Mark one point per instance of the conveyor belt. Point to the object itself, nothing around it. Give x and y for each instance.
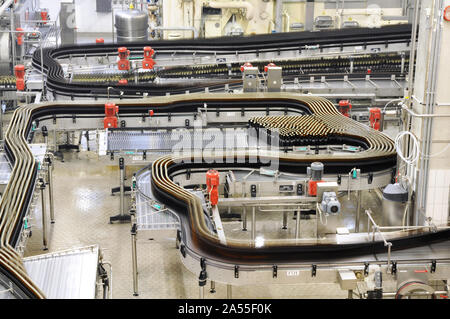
(379, 155)
(58, 84)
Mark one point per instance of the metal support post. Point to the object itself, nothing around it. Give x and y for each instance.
(253, 223)
(122, 217)
(44, 216)
(229, 292)
(285, 217)
(134, 259)
(244, 219)
(350, 294)
(358, 210)
(213, 287)
(297, 224)
(50, 188)
(202, 283)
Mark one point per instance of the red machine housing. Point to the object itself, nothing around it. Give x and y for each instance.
(212, 184)
(44, 16)
(20, 36)
(19, 71)
(312, 187)
(270, 65)
(123, 82)
(110, 120)
(375, 118)
(99, 40)
(148, 61)
(124, 63)
(344, 107)
(246, 65)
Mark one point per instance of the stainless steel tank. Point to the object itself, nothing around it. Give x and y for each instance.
(131, 26)
(395, 198)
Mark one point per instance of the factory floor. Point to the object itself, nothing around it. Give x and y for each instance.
(83, 205)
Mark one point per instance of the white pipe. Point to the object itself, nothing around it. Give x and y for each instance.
(194, 30)
(288, 22)
(234, 5)
(6, 5)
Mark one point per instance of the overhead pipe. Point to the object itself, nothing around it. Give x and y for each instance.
(194, 30)
(236, 5)
(278, 16)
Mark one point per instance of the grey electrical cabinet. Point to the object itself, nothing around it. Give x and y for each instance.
(68, 24)
(104, 6)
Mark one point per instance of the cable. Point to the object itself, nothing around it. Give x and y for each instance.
(414, 153)
(388, 103)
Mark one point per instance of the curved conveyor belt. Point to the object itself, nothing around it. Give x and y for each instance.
(379, 155)
(58, 84)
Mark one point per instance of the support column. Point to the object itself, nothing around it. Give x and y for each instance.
(309, 15)
(285, 218)
(358, 210)
(229, 292)
(134, 259)
(244, 219)
(122, 217)
(44, 214)
(253, 224)
(50, 188)
(213, 287)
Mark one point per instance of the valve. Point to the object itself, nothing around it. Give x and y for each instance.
(124, 63)
(20, 36)
(44, 16)
(246, 65)
(270, 65)
(375, 118)
(212, 184)
(19, 71)
(148, 61)
(111, 111)
(344, 107)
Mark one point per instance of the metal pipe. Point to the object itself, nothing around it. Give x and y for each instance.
(285, 216)
(134, 259)
(253, 223)
(278, 16)
(297, 224)
(44, 217)
(358, 210)
(50, 189)
(201, 292)
(413, 114)
(213, 287)
(110, 278)
(194, 30)
(122, 188)
(229, 292)
(244, 219)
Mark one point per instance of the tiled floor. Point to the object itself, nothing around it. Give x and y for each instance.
(83, 205)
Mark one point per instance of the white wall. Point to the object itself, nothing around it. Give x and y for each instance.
(87, 19)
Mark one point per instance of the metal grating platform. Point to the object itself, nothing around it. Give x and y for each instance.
(164, 141)
(5, 171)
(150, 215)
(69, 274)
